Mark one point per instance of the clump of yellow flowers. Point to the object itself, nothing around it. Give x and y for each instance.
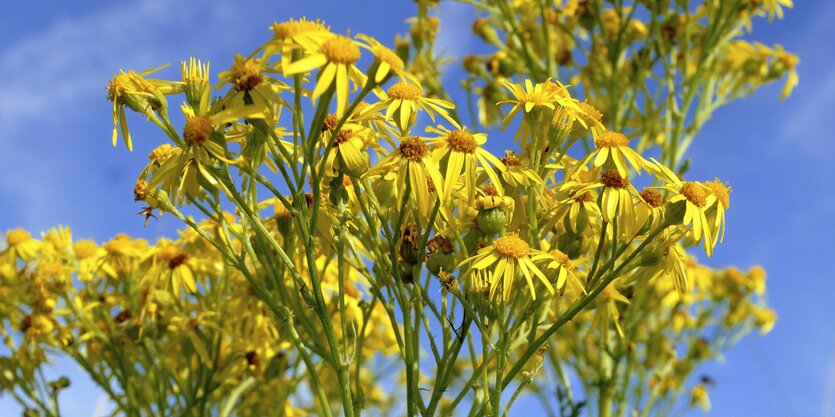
(357, 235)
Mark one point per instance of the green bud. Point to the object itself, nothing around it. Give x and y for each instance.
(491, 221)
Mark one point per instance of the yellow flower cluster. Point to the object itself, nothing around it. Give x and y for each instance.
(371, 229)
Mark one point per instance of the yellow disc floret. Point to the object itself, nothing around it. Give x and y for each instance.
(413, 148)
(292, 27)
(341, 50)
(694, 193)
(17, 236)
(197, 130)
(611, 140)
(462, 141)
(84, 249)
(721, 191)
(612, 179)
(405, 91)
(511, 246)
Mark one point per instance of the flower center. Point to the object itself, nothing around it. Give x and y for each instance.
(343, 136)
(247, 75)
(490, 190)
(562, 258)
(176, 261)
(651, 197)
(721, 191)
(611, 140)
(84, 249)
(462, 141)
(17, 236)
(439, 242)
(511, 160)
(405, 91)
(341, 50)
(511, 246)
(694, 193)
(197, 130)
(413, 148)
(330, 123)
(292, 27)
(590, 112)
(388, 56)
(612, 179)
(583, 198)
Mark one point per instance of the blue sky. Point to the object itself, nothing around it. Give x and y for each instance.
(57, 165)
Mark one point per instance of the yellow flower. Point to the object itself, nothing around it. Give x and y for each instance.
(415, 165)
(251, 84)
(527, 98)
(461, 152)
(576, 211)
(508, 257)
(205, 142)
(516, 174)
(649, 207)
(716, 215)
(336, 58)
(563, 268)
(296, 37)
(386, 62)
(404, 100)
(617, 199)
(174, 263)
(613, 148)
(141, 95)
(21, 245)
(349, 155)
(696, 198)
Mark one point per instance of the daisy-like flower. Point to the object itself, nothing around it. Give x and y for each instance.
(508, 257)
(178, 169)
(336, 58)
(575, 211)
(716, 215)
(516, 174)
(463, 152)
(402, 102)
(649, 207)
(561, 266)
(696, 199)
(131, 89)
(251, 82)
(349, 155)
(613, 147)
(296, 36)
(176, 268)
(414, 163)
(87, 252)
(528, 98)
(617, 198)
(386, 62)
(20, 245)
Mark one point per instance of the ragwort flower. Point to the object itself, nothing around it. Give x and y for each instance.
(509, 257)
